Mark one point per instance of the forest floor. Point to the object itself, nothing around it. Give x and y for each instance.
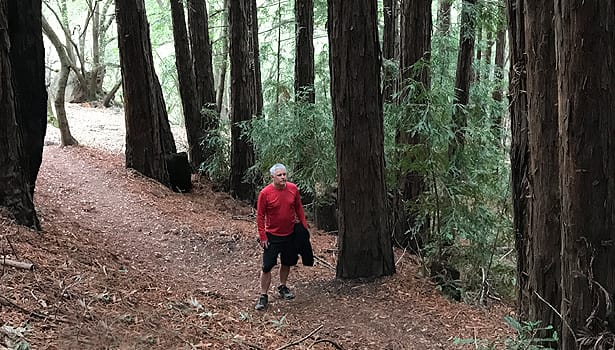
(124, 263)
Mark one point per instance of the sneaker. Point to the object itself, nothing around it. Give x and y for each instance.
(261, 304)
(285, 293)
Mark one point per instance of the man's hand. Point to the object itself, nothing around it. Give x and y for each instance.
(264, 244)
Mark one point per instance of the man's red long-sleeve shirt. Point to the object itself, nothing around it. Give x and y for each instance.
(277, 210)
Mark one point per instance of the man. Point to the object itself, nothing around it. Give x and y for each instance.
(277, 210)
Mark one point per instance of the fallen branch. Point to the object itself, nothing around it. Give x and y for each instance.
(336, 345)
(7, 302)
(324, 262)
(300, 340)
(17, 264)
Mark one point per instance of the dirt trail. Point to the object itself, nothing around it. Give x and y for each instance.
(124, 263)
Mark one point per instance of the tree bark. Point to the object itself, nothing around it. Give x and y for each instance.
(587, 162)
(187, 85)
(27, 55)
(364, 240)
(543, 239)
(304, 51)
(66, 138)
(203, 71)
(463, 78)
(15, 193)
(389, 38)
(145, 145)
(414, 56)
(444, 16)
(245, 89)
(224, 61)
(519, 154)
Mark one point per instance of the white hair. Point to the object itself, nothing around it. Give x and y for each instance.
(276, 167)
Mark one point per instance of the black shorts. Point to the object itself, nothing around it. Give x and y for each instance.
(282, 246)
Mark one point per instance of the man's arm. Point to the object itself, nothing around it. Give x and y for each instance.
(261, 204)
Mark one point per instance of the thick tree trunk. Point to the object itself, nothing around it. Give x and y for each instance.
(304, 51)
(27, 55)
(543, 240)
(364, 239)
(244, 95)
(519, 153)
(15, 192)
(145, 146)
(587, 162)
(198, 27)
(414, 55)
(187, 86)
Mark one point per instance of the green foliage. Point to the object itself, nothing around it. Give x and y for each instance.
(527, 337)
(300, 137)
(467, 202)
(217, 167)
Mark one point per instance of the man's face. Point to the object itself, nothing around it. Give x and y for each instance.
(279, 178)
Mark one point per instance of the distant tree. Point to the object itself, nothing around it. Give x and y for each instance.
(202, 61)
(223, 63)
(146, 143)
(542, 246)
(15, 193)
(89, 68)
(27, 55)
(59, 101)
(246, 93)
(444, 16)
(463, 78)
(587, 168)
(389, 44)
(364, 239)
(304, 50)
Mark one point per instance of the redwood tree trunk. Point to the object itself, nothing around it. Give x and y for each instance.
(389, 38)
(304, 51)
(27, 55)
(519, 156)
(414, 56)
(187, 85)
(144, 143)
(14, 188)
(587, 161)
(245, 87)
(543, 239)
(364, 239)
(198, 27)
(463, 78)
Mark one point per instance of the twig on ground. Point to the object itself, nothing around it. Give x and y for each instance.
(297, 342)
(17, 264)
(336, 345)
(324, 263)
(402, 255)
(7, 302)
(248, 218)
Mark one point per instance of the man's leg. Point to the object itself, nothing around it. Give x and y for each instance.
(284, 272)
(266, 281)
